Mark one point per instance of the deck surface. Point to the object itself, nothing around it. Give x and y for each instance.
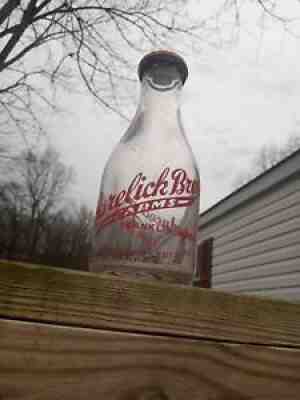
(67, 334)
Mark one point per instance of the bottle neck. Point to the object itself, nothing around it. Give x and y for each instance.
(160, 106)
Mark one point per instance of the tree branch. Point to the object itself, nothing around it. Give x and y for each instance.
(269, 11)
(7, 9)
(26, 20)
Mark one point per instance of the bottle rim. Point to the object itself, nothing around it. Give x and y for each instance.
(163, 57)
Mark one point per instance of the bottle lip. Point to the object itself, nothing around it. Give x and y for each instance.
(163, 57)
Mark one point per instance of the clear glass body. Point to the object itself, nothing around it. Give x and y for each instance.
(148, 204)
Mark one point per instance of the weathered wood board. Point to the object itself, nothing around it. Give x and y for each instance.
(89, 300)
(71, 335)
(51, 362)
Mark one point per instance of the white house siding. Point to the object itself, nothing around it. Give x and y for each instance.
(256, 247)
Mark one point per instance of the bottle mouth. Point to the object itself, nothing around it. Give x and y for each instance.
(161, 66)
(162, 80)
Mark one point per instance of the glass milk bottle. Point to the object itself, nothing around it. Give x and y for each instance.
(147, 212)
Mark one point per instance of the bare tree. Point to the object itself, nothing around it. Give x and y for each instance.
(38, 222)
(12, 206)
(66, 238)
(81, 231)
(45, 43)
(267, 157)
(41, 180)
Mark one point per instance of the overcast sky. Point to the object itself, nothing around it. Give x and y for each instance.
(234, 101)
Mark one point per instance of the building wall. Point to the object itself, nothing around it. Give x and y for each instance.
(256, 244)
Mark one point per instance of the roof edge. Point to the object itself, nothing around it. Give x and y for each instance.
(283, 170)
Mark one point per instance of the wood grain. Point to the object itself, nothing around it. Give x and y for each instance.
(88, 300)
(141, 271)
(40, 362)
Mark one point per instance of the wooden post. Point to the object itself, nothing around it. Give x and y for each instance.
(204, 262)
(81, 336)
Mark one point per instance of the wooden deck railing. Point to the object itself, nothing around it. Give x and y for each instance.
(75, 335)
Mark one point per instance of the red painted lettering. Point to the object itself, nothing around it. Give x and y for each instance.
(179, 177)
(119, 198)
(162, 183)
(136, 180)
(149, 186)
(138, 194)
